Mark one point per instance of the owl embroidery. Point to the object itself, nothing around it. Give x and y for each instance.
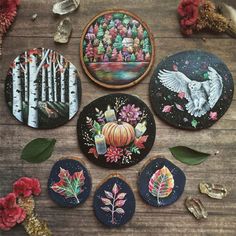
(201, 96)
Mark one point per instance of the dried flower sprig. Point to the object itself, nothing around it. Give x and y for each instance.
(198, 15)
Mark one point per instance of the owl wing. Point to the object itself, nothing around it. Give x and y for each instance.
(213, 87)
(175, 81)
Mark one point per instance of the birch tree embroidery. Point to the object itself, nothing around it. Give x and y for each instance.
(42, 88)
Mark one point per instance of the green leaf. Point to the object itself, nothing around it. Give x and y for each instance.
(194, 123)
(188, 156)
(97, 126)
(38, 150)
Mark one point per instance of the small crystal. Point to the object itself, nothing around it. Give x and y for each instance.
(63, 32)
(65, 6)
(34, 16)
(196, 207)
(216, 191)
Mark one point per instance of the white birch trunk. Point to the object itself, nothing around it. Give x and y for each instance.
(33, 89)
(44, 85)
(33, 93)
(55, 77)
(50, 90)
(73, 91)
(26, 77)
(17, 99)
(62, 79)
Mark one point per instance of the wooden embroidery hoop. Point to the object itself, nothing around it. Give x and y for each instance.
(152, 46)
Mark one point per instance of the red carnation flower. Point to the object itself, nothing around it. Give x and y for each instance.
(189, 12)
(113, 154)
(26, 187)
(10, 212)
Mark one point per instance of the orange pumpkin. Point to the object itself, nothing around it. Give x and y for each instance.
(118, 134)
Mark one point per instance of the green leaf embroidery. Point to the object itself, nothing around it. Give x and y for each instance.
(194, 123)
(97, 127)
(38, 150)
(188, 156)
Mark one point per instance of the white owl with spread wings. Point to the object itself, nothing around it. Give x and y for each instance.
(201, 96)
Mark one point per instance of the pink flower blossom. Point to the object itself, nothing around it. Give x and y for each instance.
(167, 109)
(213, 115)
(130, 113)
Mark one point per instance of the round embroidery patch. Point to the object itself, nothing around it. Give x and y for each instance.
(42, 89)
(69, 183)
(114, 202)
(116, 130)
(161, 183)
(117, 49)
(191, 89)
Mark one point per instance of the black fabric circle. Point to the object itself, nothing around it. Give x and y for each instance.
(42, 89)
(69, 183)
(169, 175)
(191, 89)
(114, 202)
(116, 131)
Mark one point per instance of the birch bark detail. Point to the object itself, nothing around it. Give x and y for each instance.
(17, 98)
(73, 91)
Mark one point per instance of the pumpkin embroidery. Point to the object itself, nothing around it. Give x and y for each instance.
(117, 133)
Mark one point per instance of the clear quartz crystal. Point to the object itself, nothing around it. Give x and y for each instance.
(63, 7)
(196, 207)
(63, 31)
(216, 191)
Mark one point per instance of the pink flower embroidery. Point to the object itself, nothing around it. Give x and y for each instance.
(130, 113)
(167, 109)
(113, 154)
(181, 95)
(213, 115)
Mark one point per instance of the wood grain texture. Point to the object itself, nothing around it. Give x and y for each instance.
(173, 220)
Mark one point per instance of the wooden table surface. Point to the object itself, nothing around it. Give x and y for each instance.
(173, 220)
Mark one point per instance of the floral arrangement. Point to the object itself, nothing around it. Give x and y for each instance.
(8, 10)
(197, 15)
(18, 207)
(130, 117)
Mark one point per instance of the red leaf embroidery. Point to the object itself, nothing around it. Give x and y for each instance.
(120, 203)
(121, 196)
(115, 189)
(69, 185)
(139, 143)
(93, 151)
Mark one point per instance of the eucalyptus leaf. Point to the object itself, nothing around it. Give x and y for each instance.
(38, 150)
(188, 156)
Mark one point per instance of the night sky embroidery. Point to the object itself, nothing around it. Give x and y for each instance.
(116, 130)
(116, 49)
(191, 89)
(42, 89)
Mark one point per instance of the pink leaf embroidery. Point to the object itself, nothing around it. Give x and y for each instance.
(120, 211)
(213, 115)
(120, 203)
(106, 201)
(167, 108)
(108, 194)
(106, 209)
(179, 107)
(121, 196)
(115, 189)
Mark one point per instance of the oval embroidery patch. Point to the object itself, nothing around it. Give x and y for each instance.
(69, 183)
(161, 183)
(116, 130)
(191, 89)
(117, 49)
(42, 89)
(114, 202)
